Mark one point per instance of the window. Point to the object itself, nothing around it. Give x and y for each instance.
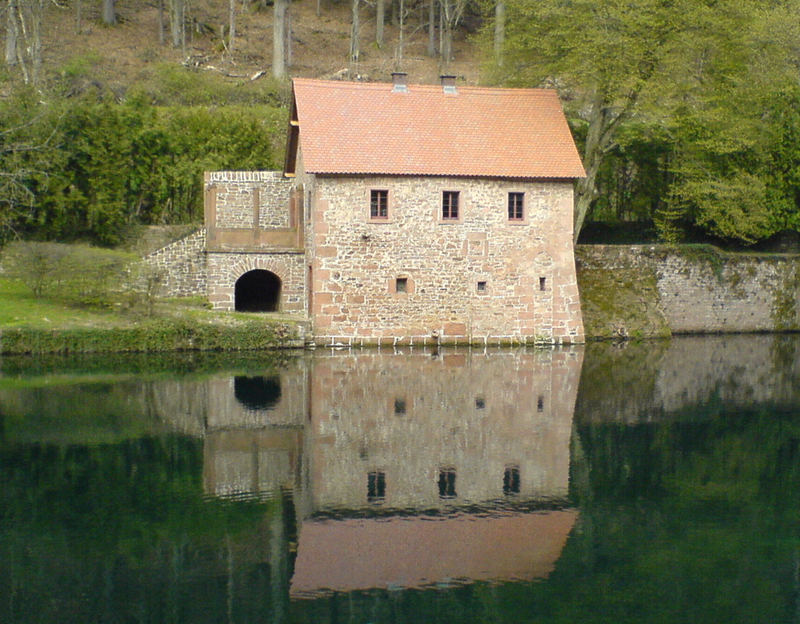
(511, 480)
(480, 402)
(542, 283)
(401, 285)
(400, 406)
(378, 204)
(450, 205)
(540, 403)
(481, 286)
(516, 210)
(376, 486)
(447, 483)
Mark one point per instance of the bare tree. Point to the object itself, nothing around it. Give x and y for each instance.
(177, 23)
(12, 33)
(354, 43)
(231, 24)
(380, 18)
(432, 28)
(279, 38)
(109, 12)
(449, 17)
(499, 30)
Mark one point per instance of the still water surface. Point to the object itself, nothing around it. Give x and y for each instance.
(654, 482)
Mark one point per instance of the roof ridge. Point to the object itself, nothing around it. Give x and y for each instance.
(339, 84)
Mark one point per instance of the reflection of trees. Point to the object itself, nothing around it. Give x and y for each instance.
(111, 532)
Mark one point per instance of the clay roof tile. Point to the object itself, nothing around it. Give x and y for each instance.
(367, 128)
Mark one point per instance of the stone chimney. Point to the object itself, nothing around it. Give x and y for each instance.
(399, 82)
(448, 84)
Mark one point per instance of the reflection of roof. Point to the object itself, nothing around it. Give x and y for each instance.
(358, 128)
(364, 553)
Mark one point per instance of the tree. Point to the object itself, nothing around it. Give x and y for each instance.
(280, 8)
(355, 27)
(109, 13)
(613, 60)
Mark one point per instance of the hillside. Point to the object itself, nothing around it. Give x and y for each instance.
(116, 57)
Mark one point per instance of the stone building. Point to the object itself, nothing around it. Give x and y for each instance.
(405, 214)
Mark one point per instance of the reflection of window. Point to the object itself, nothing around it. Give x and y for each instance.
(447, 483)
(400, 406)
(257, 393)
(480, 402)
(511, 480)
(540, 403)
(376, 486)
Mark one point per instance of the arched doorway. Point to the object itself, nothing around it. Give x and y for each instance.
(257, 291)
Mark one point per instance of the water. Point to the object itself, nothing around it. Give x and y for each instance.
(653, 482)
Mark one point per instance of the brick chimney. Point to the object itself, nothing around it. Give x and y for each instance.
(399, 82)
(448, 83)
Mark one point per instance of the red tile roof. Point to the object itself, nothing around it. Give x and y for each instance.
(367, 128)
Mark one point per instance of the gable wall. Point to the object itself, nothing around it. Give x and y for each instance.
(356, 262)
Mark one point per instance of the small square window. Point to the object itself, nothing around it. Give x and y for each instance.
(481, 286)
(516, 203)
(400, 406)
(376, 486)
(511, 480)
(379, 204)
(447, 483)
(450, 205)
(401, 285)
(480, 403)
(542, 283)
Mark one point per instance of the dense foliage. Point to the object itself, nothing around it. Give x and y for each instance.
(89, 167)
(685, 112)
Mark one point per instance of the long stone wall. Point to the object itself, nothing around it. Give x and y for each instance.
(182, 265)
(686, 290)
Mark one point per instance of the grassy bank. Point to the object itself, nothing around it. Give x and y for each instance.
(38, 325)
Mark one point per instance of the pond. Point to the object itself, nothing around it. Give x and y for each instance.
(617, 482)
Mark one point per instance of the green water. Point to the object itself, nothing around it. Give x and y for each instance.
(652, 482)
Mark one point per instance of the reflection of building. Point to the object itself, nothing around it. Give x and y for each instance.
(363, 553)
(421, 439)
(423, 432)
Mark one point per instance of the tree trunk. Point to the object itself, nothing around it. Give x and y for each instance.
(499, 30)
(432, 28)
(401, 39)
(177, 17)
(78, 16)
(109, 14)
(354, 45)
(287, 45)
(11, 33)
(380, 16)
(231, 25)
(279, 39)
(161, 22)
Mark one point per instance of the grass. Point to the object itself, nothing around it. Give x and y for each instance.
(19, 308)
(31, 325)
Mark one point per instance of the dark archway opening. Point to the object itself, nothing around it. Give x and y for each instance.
(257, 291)
(257, 393)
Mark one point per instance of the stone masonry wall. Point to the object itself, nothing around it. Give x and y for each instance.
(703, 290)
(529, 289)
(183, 265)
(224, 268)
(243, 194)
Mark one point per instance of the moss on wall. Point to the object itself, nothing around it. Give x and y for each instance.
(785, 299)
(622, 302)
